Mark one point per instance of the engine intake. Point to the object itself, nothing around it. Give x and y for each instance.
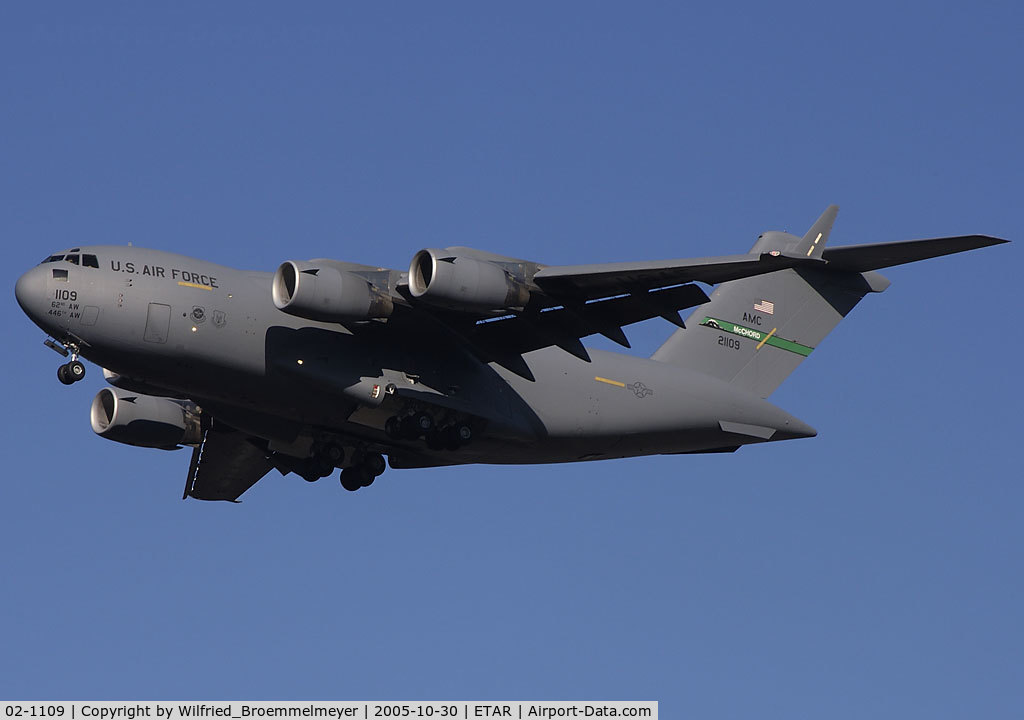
(327, 294)
(463, 283)
(144, 420)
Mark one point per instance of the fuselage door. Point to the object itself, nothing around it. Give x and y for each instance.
(158, 322)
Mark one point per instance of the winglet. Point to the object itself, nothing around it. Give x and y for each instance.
(815, 239)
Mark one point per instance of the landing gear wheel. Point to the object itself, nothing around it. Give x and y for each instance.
(374, 465)
(393, 428)
(451, 438)
(407, 428)
(353, 478)
(332, 453)
(424, 423)
(435, 440)
(326, 456)
(314, 468)
(75, 370)
(71, 372)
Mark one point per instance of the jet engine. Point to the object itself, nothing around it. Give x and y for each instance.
(463, 283)
(327, 294)
(144, 420)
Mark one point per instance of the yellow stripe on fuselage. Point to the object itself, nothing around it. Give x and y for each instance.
(194, 285)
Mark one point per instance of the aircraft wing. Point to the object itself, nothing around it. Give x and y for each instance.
(569, 302)
(225, 465)
(585, 282)
(573, 301)
(564, 324)
(505, 339)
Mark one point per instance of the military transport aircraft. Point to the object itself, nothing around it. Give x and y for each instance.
(468, 357)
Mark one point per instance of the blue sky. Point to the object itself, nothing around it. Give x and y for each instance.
(874, 571)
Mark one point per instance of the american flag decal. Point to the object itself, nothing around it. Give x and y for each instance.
(765, 306)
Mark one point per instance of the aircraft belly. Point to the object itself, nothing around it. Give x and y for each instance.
(619, 405)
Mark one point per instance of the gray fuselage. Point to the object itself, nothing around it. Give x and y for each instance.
(172, 325)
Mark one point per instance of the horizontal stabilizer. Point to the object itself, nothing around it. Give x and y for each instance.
(873, 256)
(755, 330)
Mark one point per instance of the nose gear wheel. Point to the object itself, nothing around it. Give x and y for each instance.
(71, 372)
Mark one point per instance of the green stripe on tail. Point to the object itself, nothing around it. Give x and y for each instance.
(756, 335)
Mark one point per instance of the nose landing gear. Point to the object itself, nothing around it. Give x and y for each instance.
(70, 372)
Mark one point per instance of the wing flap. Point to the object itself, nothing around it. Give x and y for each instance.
(564, 326)
(225, 465)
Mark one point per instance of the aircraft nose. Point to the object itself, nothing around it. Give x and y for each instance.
(29, 290)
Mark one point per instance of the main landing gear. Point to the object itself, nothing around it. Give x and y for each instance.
(363, 473)
(450, 436)
(328, 455)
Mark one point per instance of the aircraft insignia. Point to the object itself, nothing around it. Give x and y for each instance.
(640, 390)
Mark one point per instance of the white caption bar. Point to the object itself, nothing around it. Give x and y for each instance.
(329, 710)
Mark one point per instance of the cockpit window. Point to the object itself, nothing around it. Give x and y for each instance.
(90, 261)
(73, 259)
(53, 258)
(59, 274)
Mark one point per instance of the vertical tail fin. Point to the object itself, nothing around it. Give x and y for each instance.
(755, 331)
(814, 241)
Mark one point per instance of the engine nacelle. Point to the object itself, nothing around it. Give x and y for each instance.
(327, 294)
(463, 283)
(144, 420)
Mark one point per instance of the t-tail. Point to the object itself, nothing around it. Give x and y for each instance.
(755, 331)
